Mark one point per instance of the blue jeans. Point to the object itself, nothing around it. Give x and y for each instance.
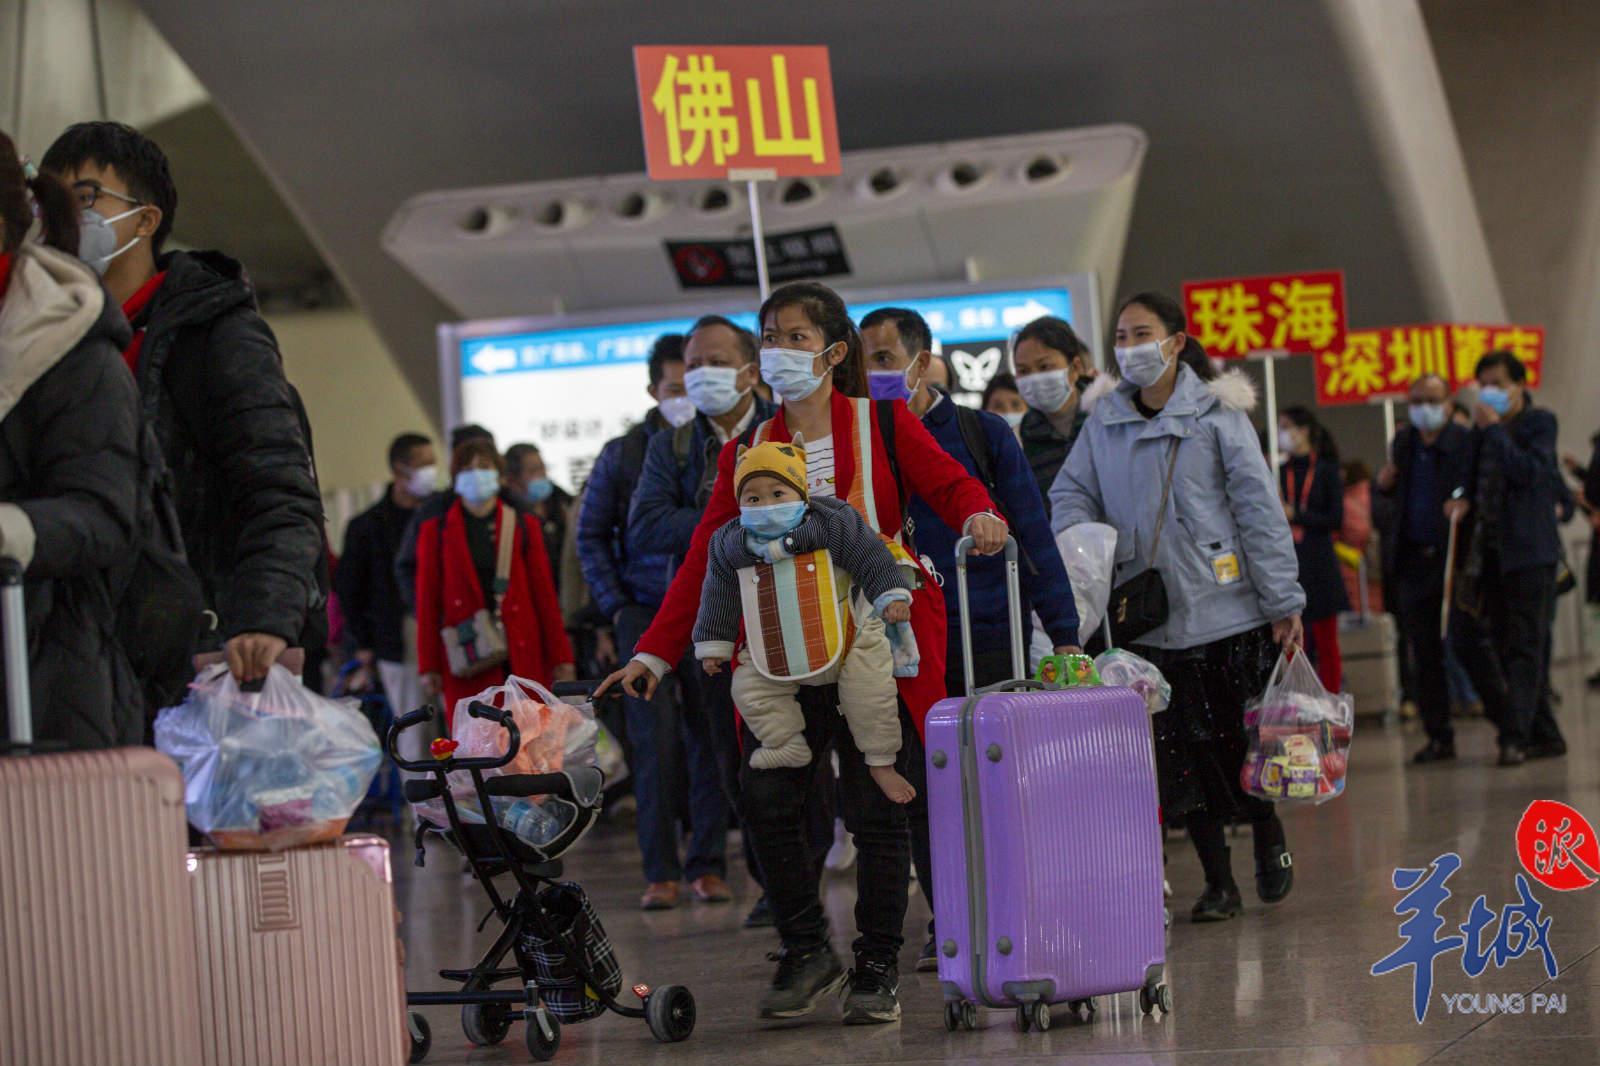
(662, 731)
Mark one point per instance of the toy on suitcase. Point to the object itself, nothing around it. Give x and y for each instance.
(1046, 841)
(98, 937)
(565, 968)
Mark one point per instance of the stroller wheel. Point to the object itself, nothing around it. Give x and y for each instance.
(486, 1024)
(544, 1035)
(670, 1013)
(421, 1036)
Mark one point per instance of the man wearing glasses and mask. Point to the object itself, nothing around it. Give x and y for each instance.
(232, 429)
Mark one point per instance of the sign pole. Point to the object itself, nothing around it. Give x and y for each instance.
(759, 237)
(1271, 369)
(1388, 423)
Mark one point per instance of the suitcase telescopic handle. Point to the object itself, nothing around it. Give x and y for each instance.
(14, 622)
(1019, 665)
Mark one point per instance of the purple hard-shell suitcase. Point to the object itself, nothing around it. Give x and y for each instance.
(1046, 842)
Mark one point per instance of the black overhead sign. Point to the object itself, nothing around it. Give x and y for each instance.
(810, 253)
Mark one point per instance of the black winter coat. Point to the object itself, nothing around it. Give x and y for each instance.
(1047, 449)
(1318, 515)
(374, 613)
(1456, 449)
(236, 438)
(69, 464)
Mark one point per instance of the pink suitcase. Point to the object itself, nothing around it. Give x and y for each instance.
(1046, 842)
(96, 936)
(299, 961)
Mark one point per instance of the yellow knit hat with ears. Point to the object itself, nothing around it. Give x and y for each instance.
(786, 462)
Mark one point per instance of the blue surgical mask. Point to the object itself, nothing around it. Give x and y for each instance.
(1495, 398)
(1014, 418)
(771, 521)
(97, 241)
(788, 371)
(539, 489)
(1428, 417)
(714, 390)
(477, 486)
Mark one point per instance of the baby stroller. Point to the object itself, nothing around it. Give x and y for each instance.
(564, 964)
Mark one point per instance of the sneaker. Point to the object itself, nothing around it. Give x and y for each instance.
(1274, 874)
(801, 982)
(760, 916)
(1435, 751)
(928, 961)
(842, 855)
(1548, 749)
(874, 993)
(1218, 904)
(1511, 754)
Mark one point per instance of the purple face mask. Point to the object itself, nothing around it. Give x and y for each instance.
(888, 385)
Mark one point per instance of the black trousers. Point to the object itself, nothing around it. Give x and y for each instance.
(712, 696)
(1508, 665)
(1419, 598)
(780, 812)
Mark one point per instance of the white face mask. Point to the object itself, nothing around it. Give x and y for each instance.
(714, 390)
(1285, 441)
(421, 481)
(1014, 418)
(1047, 391)
(1143, 364)
(788, 371)
(678, 411)
(97, 241)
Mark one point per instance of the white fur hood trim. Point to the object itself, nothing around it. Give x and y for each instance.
(1234, 389)
(1102, 386)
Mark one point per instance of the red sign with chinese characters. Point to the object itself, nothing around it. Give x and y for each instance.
(1375, 364)
(1557, 846)
(1234, 317)
(760, 111)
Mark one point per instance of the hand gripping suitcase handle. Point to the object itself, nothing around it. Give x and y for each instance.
(1019, 666)
(14, 631)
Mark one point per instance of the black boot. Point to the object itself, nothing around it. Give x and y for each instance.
(1274, 864)
(1220, 901)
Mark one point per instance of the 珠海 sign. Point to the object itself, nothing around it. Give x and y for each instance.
(739, 112)
(811, 253)
(1279, 313)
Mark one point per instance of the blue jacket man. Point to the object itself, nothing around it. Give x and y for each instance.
(898, 347)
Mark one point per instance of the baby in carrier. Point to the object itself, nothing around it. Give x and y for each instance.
(815, 587)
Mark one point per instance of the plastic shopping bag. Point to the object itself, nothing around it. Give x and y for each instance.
(553, 735)
(272, 769)
(1089, 550)
(1299, 736)
(1125, 669)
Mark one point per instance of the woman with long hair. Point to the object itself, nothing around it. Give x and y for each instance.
(69, 463)
(1312, 487)
(874, 454)
(1170, 458)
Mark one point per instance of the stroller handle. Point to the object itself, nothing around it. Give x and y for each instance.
(477, 710)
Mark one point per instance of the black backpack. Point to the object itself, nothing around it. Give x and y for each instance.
(160, 606)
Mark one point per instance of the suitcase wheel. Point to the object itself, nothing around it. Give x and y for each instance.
(960, 1016)
(1083, 1007)
(1035, 1015)
(1158, 996)
(421, 1036)
(486, 1024)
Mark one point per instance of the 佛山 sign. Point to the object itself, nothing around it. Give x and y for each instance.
(1375, 364)
(811, 253)
(1275, 313)
(746, 112)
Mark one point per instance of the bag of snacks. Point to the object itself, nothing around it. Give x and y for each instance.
(1299, 736)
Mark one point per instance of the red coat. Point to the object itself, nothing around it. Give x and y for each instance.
(448, 594)
(929, 472)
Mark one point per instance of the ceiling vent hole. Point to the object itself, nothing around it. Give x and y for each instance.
(633, 206)
(715, 198)
(798, 192)
(884, 181)
(553, 214)
(965, 175)
(475, 221)
(1042, 168)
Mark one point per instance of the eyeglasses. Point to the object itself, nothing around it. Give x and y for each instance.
(88, 192)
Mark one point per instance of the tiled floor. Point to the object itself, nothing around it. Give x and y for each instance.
(1287, 984)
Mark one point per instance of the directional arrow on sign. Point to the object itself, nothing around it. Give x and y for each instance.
(492, 360)
(1021, 316)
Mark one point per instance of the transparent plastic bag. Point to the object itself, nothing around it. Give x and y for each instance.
(554, 735)
(1125, 669)
(1089, 551)
(268, 770)
(1299, 736)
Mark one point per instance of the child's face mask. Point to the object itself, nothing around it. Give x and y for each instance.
(771, 521)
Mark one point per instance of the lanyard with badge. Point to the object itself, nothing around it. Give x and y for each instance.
(1299, 494)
